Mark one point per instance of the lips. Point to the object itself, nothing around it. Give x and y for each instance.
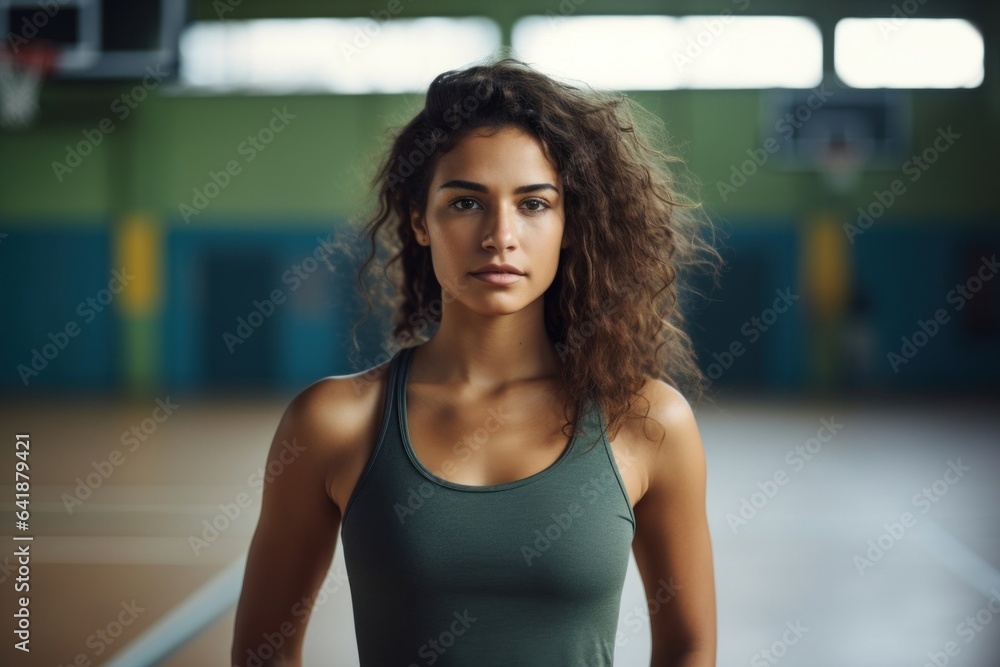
(498, 277)
(498, 268)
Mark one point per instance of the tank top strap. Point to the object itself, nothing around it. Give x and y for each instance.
(384, 452)
(392, 393)
(400, 365)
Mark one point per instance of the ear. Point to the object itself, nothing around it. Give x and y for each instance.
(417, 224)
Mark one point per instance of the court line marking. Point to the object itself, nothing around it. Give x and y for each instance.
(958, 558)
(119, 550)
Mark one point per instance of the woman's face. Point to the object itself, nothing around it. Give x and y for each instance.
(495, 198)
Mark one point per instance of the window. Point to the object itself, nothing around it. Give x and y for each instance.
(613, 52)
(345, 56)
(663, 52)
(908, 53)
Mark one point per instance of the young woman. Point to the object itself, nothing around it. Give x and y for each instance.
(492, 477)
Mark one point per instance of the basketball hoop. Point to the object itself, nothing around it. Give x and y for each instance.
(22, 70)
(840, 164)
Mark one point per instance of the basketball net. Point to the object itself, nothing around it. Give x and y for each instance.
(840, 166)
(21, 74)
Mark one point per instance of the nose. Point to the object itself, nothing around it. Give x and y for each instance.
(500, 230)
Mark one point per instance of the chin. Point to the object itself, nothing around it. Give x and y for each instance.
(497, 305)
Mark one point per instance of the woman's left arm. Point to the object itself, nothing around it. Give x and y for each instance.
(672, 546)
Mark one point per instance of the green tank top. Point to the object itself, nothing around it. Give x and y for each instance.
(529, 572)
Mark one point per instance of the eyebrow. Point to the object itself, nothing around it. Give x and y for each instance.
(479, 187)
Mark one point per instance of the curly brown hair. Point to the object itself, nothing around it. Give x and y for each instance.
(612, 310)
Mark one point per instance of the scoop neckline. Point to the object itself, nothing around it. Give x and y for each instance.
(404, 427)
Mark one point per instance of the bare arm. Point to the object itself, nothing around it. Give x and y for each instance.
(672, 545)
(295, 538)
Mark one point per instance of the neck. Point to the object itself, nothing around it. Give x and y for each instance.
(489, 350)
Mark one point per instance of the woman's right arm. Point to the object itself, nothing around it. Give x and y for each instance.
(296, 534)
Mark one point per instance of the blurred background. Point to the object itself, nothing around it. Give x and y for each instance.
(176, 187)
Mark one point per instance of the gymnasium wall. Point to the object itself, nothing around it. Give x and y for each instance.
(82, 197)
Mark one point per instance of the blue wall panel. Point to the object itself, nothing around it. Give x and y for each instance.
(309, 323)
(48, 275)
(761, 261)
(910, 270)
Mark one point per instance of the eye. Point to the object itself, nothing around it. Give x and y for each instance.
(542, 205)
(468, 204)
(458, 203)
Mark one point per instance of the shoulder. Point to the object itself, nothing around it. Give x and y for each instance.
(672, 541)
(334, 416)
(668, 438)
(333, 405)
(667, 405)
